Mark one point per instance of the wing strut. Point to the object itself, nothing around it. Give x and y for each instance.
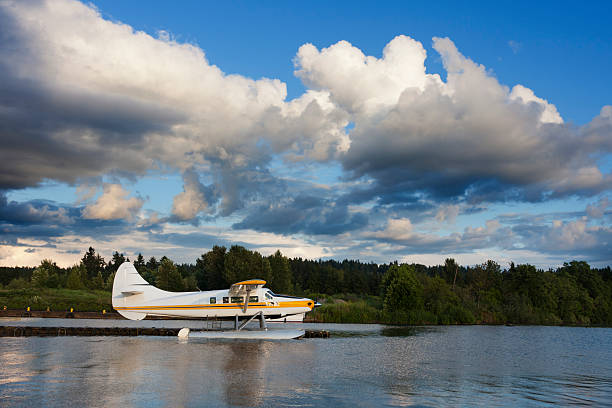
(246, 299)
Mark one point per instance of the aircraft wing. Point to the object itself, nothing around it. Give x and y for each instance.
(241, 288)
(245, 288)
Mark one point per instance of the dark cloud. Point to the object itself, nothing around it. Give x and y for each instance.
(303, 214)
(48, 220)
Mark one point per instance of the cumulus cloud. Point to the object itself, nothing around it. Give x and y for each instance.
(468, 137)
(113, 204)
(82, 97)
(360, 83)
(397, 229)
(194, 198)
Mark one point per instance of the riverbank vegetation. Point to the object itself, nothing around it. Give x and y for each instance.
(349, 291)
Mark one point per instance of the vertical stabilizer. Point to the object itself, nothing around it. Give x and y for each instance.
(130, 289)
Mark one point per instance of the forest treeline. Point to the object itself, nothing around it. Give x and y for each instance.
(354, 291)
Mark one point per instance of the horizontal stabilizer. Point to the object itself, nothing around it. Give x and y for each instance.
(131, 292)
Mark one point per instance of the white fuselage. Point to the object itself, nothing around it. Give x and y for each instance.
(213, 303)
(135, 298)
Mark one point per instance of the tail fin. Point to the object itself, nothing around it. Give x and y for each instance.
(130, 289)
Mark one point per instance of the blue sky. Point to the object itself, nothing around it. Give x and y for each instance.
(483, 131)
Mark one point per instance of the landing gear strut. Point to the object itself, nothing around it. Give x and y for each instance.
(262, 322)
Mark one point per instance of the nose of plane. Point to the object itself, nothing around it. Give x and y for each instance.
(312, 304)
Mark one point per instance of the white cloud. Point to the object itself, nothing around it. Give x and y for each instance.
(188, 204)
(113, 204)
(360, 83)
(469, 136)
(548, 111)
(111, 99)
(397, 229)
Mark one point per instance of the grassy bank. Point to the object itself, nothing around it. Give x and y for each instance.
(56, 299)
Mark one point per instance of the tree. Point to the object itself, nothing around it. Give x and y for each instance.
(139, 263)
(74, 280)
(210, 269)
(403, 292)
(40, 276)
(152, 264)
(241, 264)
(280, 273)
(114, 263)
(168, 276)
(451, 270)
(93, 263)
(97, 282)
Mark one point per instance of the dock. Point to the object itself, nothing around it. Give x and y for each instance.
(31, 331)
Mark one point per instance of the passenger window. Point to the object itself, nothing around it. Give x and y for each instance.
(213, 300)
(237, 299)
(225, 300)
(253, 299)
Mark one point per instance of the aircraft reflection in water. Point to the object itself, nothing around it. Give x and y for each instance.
(134, 298)
(224, 373)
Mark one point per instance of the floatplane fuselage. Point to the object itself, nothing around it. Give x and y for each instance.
(134, 298)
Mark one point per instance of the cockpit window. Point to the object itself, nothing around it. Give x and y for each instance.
(268, 295)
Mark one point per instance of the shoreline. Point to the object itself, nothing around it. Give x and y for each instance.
(112, 315)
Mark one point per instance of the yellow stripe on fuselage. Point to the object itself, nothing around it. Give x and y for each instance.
(300, 303)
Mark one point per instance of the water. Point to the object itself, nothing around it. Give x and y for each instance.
(361, 365)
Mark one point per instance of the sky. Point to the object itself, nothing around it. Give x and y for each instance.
(337, 130)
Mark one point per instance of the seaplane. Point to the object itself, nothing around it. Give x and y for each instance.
(135, 298)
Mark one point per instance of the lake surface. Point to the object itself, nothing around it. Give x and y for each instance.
(361, 365)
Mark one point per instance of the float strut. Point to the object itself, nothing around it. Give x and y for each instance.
(262, 321)
(250, 319)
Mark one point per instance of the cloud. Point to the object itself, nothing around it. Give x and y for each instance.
(194, 199)
(303, 214)
(82, 97)
(34, 212)
(399, 229)
(467, 138)
(447, 213)
(363, 84)
(548, 113)
(113, 204)
(598, 210)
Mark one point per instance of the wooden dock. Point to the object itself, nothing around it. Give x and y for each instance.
(29, 331)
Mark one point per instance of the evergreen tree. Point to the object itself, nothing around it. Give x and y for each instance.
(93, 263)
(280, 281)
(114, 264)
(210, 269)
(168, 276)
(139, 263)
